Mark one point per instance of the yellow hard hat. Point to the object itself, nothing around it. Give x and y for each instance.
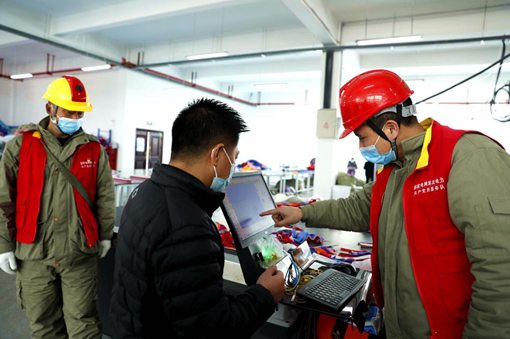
(68, 92)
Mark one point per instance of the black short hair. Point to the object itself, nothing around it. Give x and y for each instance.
(381, 120)
(202, 124)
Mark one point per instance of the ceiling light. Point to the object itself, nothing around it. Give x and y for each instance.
(21, 76)
(268, 86)
(96, 68)
(482, 42)
(207, 56)
(263, 55)
(385, 41)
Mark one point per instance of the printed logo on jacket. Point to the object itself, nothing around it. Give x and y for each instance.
(429, 186)
(88, 164)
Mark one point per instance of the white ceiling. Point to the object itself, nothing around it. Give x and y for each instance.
(59, 8)
(241, 18)
(349, 11)
(166, 31)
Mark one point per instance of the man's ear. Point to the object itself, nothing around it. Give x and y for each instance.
(49, 109)
(214, 153)
(393, 128)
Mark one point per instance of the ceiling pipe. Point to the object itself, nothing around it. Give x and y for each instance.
(163, 76)
(124, 64)
(207, 89)
(275, 103)
(464, 103)
(194, 85)
(142, 68)
(325, 49)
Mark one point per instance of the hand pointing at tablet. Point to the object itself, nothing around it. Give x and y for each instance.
(284, 215)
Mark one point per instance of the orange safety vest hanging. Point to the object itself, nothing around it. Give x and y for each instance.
(437, 248)
(30, 184)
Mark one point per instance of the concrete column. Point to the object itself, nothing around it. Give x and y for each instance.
(349, 146)
(326, 163)
(332, 153)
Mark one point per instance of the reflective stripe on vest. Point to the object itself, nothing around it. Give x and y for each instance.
(31, 181)
(437, 248)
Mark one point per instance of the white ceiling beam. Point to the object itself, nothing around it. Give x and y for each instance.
(22, 19)
(23, 23)
(315, 15)
(9, 40)
(132, 12)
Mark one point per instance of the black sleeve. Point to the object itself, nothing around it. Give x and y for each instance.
(132, 284)
(190, 284)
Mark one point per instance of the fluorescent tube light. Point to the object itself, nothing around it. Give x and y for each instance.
(207, 56)
(21, 76)
(96, 68)
(268, 86)
(388, 41)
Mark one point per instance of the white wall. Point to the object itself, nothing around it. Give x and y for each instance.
(280, 135)
(6, 102)
(106, 90)
(468, 117)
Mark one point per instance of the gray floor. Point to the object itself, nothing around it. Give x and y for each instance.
(13, 322)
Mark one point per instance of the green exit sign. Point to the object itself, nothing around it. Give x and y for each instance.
(149, 123)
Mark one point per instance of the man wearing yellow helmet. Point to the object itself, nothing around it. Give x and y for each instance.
(57, 211)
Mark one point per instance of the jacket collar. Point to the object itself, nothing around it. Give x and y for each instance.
(61, 152)
(411, 145)
(424, 156)
(173, 177)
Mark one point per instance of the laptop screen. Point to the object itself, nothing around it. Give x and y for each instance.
(247, 196)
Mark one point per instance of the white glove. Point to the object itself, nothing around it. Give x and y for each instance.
(104, 247)
(8, 262)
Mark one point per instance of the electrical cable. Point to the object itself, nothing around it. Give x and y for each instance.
(306, 277)
(288, 275)
(499, 68)
(505, 118)
(493, 103)
(465, 80)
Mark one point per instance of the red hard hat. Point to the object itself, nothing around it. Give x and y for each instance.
(368, 93)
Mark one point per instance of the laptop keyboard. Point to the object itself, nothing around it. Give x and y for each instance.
(331, 288)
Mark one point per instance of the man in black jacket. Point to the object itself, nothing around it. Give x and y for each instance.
(169, 264)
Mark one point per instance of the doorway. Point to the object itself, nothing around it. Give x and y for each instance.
(148, 148)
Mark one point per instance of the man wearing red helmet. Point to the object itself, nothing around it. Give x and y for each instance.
(439, 214)
(57, 211)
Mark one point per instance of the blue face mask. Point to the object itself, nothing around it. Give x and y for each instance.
(219, 184)
(68, 126)
(371, 154)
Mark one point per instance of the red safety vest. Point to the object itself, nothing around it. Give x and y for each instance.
(30, 184)
(436, 246)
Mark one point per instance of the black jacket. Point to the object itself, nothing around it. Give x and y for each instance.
(169, 265)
